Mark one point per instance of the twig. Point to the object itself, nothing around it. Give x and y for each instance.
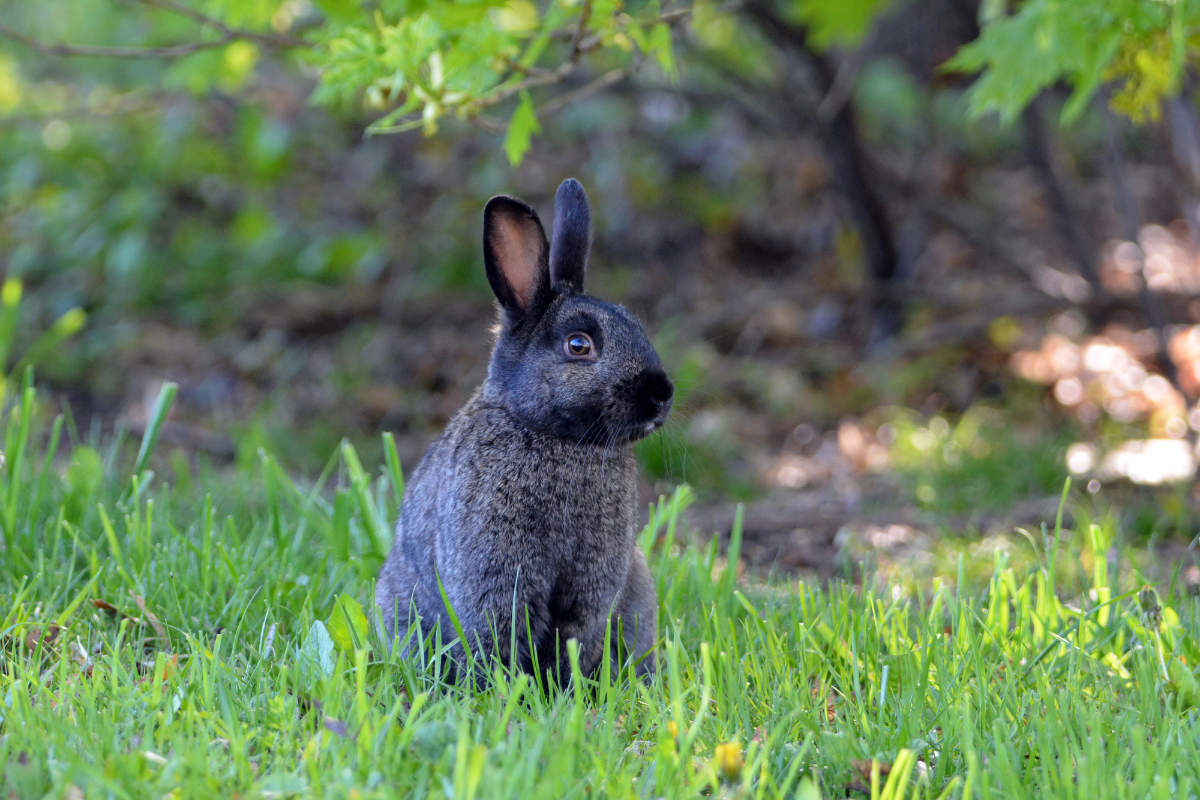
(966, 327)
(585, 16)
(123, 105)
(1001, 244)
(106, 51)
(226, 35)
(579, 46)
(488, 124)
(538, 77)
(595, 85)
(671, 17)
(269, 39)
(515, 66)
(745, 89)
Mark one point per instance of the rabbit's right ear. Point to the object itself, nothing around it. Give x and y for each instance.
(572, 237)
(515, 255)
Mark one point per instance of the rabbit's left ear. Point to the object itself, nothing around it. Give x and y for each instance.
(572, 237)
(514, 256)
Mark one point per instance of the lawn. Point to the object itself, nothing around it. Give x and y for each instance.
(172, 629)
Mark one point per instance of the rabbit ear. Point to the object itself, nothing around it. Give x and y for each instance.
(572, 237)
(515, 254)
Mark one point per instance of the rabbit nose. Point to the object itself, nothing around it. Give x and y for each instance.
(656, 392)
(650, 394)
(658, 387)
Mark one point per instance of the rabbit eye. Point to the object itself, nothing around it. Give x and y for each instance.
(578, 345)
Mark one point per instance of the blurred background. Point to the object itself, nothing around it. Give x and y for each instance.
(895, 320)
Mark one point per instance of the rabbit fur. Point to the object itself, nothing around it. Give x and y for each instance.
(523, 511)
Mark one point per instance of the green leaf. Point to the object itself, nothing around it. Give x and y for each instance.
(339, 10)
(1185, 682)
(348, 624)
(841, 23)
(520, 130)
(316, 653)
(517, 15)
(1137, 46)
(807, 790)
(1091, 76)
(660, 47)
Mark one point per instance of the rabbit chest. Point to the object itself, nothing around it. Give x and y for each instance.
(537, 519)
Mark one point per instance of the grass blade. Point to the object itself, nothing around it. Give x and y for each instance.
(162, 407)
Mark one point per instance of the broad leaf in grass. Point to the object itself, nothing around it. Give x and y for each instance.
(348, 624)
(316, 653)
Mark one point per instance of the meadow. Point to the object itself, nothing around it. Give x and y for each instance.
(903, 274)
(169, 629)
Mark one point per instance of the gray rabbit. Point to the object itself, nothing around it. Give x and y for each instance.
(523, 511)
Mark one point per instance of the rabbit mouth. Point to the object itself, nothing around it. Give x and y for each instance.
(640, 430)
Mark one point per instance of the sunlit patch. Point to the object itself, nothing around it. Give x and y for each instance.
(889, 536)
(1114, 374)
(791, 471)
(815, 466)
(1107, 373)
(1081, 458)
(1149, 461)
(1163, 257)
(860, 445)
(1068, 391)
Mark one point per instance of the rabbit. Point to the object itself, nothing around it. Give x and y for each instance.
(523, 510)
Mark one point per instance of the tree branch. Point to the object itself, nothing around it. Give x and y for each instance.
(558, 103)
(226, 35)
(579, 46)
(131, 104)
(595, 85)
(205, 20)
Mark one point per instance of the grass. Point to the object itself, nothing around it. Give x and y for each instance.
(205, 636)
(982, 461)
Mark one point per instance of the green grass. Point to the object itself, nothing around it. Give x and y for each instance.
(986, 459)
(207, 639)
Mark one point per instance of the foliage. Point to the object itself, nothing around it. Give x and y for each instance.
(419, 62)
(409, 63)
(188, 634)
(1141, 45)
(412, 64)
